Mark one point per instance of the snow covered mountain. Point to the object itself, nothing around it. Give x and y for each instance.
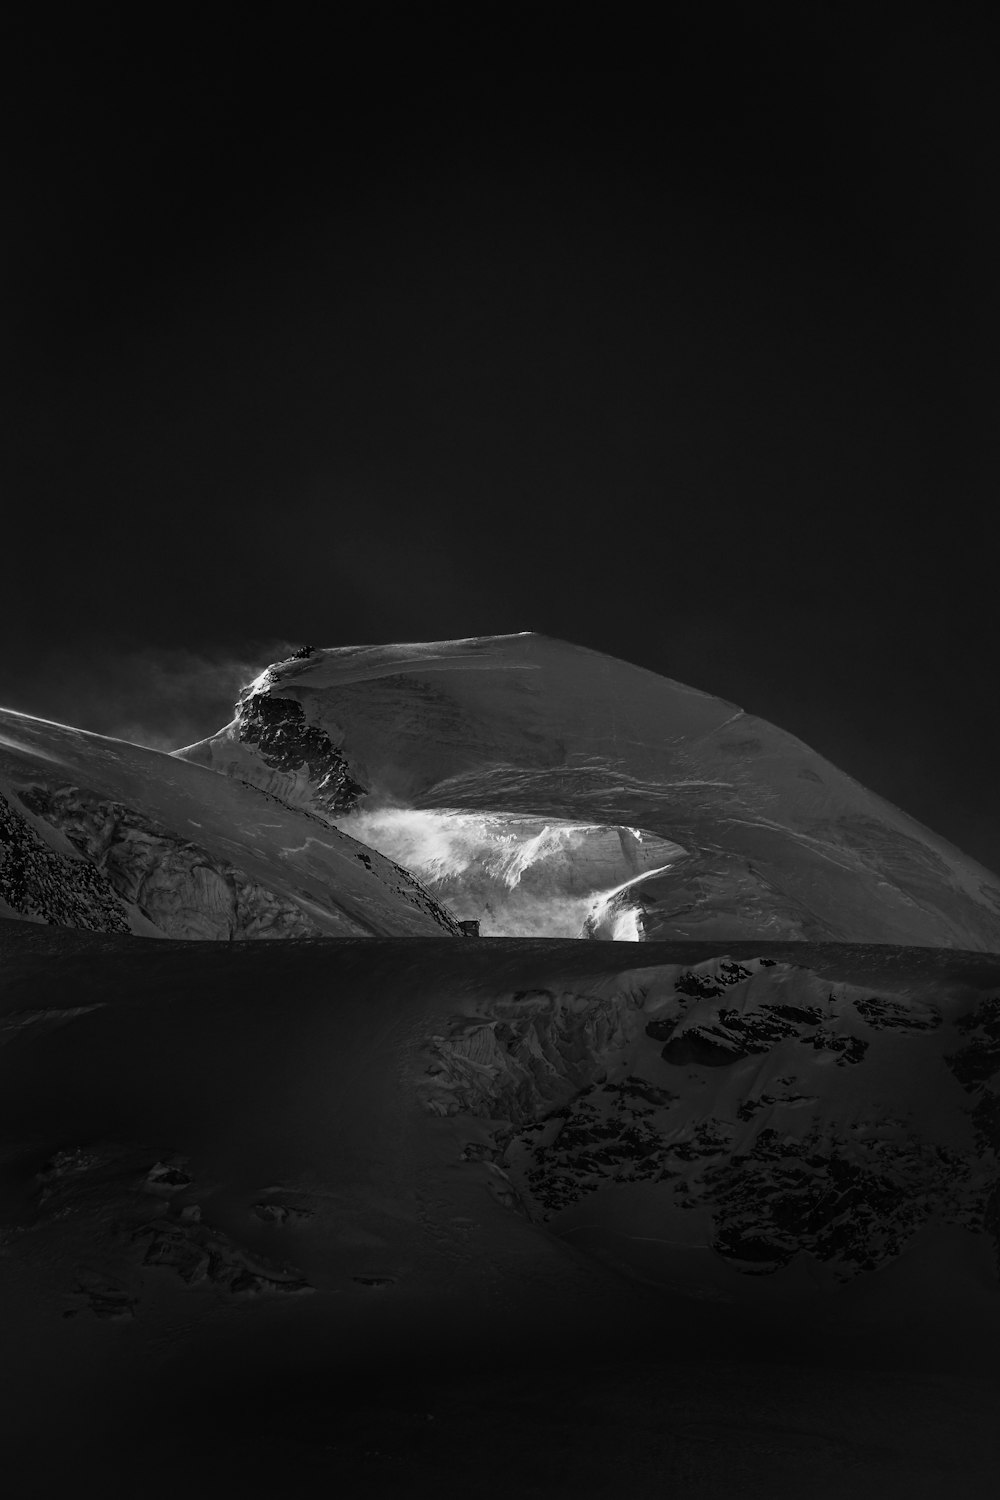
(546, 789)
(362, 1208)
(100, 834)
(803, 1128)
(275, 1211)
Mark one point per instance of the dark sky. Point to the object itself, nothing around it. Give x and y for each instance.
(681, 345)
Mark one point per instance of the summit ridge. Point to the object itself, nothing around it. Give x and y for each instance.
(768, 838)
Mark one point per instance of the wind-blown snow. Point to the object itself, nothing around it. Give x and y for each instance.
(723, 1215)
(100, 833)
(776, 841)
(517, 876)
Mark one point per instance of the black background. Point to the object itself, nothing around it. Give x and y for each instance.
(676, 341)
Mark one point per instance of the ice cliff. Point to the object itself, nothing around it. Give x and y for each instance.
(544, 788)
(100, 834)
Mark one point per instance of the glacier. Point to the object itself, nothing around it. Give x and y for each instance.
(101, 834)
(708, 1204)
(515, 875)
(763, 836)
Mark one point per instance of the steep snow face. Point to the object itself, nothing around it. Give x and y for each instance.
(516, 876)
(777, 842)
(100, 834)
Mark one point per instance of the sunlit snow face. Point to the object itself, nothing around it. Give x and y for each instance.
(518, 876)
(258, 685)
(25, 747)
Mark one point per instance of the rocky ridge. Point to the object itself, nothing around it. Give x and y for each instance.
(110, 836)
(511, 735)
(177, 885)
(751, 1108)
(286, 743)
(44, 885)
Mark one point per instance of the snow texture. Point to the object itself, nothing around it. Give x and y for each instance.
(262, 1204)
(540, 755)
(749, 1108)
(102, 834)
(372, 1206)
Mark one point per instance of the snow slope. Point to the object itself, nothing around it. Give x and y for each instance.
(529, 761)
(274, 1215)
(100, 834)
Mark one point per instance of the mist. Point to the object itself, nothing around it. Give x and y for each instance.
(161, 698)
(517, 876)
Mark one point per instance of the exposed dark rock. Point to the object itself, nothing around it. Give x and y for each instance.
(986, 1119)
(480, 1151)
(774, 1171)
(662, 1029)
(740, 1034)
(286, 742)
(38, 882)
(795, 1014)
(606, 1136)
(199, 1254)
(976, 1067)
(882, 1015)
(165, 1178)
(819, 1193)
(851, 1048)
(707, 986)
(979, 1060)
(633, 1089)
(705, 1049)
(282, 1213)
(787, 1093)
(538, 1053)
(177, 885)
(108, 1186)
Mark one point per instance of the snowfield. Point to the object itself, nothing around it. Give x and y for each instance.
(525, 734)
(498, 1217)
(705, 1206)
(100, 834)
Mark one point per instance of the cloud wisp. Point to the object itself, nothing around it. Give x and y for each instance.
(162, 698)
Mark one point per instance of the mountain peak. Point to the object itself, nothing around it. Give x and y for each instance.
(446, 754)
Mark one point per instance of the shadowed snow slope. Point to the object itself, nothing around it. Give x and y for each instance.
(762, 836)
(100, 834)
(270, 1212)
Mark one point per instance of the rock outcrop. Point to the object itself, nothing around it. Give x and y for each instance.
(748, 1107)
(412, 746)
(44, 885)
(285, 742)
(176, 884)
(102, 834)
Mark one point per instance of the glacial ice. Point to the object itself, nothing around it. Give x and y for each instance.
(765, 837)
(518, 876)
(97, 833)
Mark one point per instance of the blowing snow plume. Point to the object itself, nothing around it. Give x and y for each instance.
(517, 876)
(151, 696)
(540, 743)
